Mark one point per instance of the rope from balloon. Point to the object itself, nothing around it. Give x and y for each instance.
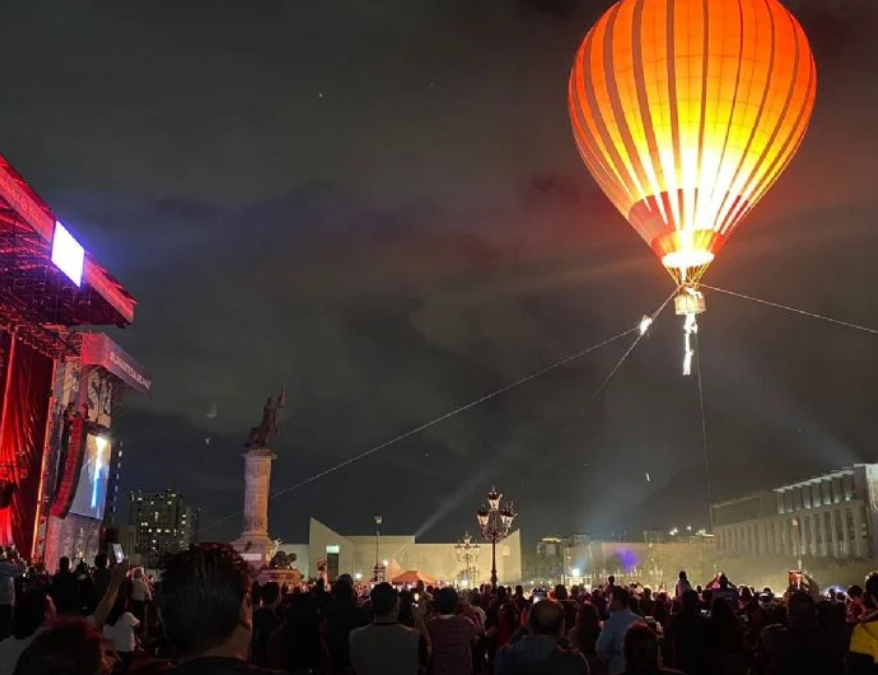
(642, 327)
(689, 303)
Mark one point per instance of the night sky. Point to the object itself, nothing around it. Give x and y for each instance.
(381, 204)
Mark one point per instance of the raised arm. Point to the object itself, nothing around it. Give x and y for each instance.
(117, 578)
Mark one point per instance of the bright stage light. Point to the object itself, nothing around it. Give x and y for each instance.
(68, 254)
(575, 573)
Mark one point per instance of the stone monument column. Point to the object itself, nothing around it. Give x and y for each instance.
(254, 544)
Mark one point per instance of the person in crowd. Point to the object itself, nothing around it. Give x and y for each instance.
(661, 611)
(726, 640)
(141, 593)
(855, 608)
(502, 621)
(71, 646)
(424, 594)
(584, 636)
(543, 649)
(722, 588)
(480, 651)
(101, 575)
(451, 636)
(297, 647)
(802, 647)
(683, 584)
(206, 611)
(610, 643)
(863, 654)
(65, 589)
(119, 629)
(265, 621)
(118, 575)
(641, 652)
(385, 647)
(601, 603)
(33, 610)
(406, 613)
(570, 608)
(344, 616)
(88, 597)
(11, 568)
(687, 635)
(634, 605)
(475, 601)
(324, 599)
(519, 600)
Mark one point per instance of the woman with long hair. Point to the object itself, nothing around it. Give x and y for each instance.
(585, 634)
(119, 629)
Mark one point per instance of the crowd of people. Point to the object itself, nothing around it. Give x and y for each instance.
(206, 616)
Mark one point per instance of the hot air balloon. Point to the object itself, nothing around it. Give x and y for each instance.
(685, 112)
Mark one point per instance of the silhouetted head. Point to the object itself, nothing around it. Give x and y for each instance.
(547, 618)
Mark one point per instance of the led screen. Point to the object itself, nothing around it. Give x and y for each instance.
(91, 490)
(68, 254)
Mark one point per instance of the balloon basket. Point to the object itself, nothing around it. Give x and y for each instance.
(689, 300)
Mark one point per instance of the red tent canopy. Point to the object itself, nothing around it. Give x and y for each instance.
(412, 577)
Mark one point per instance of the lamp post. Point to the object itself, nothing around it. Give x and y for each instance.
(494, 523)
(467, 553)
(378, 520)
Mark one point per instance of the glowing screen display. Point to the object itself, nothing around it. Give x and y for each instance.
(91, 490)
(68, 254)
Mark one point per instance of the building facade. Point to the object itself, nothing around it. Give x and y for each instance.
(357, 555)
(581, 559)
(830, 516)
(162, 523)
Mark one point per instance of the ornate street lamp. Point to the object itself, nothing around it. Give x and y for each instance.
(467, 553)
(494, 523)
(377, 574)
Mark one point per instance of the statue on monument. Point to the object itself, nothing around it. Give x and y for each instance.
(267, 429)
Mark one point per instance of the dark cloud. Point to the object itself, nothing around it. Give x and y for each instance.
(382, 205)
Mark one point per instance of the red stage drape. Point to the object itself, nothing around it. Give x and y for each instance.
(27, 387)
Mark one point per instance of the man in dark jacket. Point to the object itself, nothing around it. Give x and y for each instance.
(803, 646)
(344, 615)
(206, 611)
(65, 589)
(266, 620)
(688, 637)
(543, 650)
(101, 575)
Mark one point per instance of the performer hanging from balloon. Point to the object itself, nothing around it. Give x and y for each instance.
(685, 112)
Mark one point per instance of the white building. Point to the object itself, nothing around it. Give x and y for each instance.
(357, 555)
(833, 515)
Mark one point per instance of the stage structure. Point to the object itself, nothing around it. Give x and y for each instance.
(57, 384)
